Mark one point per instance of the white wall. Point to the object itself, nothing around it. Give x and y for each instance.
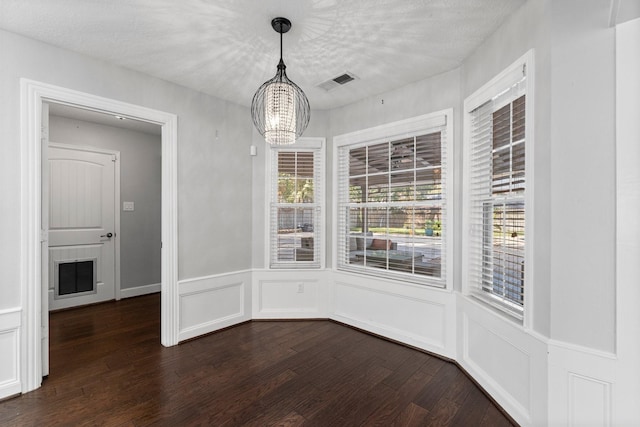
(140, 173)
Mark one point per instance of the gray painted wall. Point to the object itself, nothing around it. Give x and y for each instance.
(583, 282)
(213, 149)
(574, 186)
(574, 289)
(574, 169)
(528, 28)
(140, 182)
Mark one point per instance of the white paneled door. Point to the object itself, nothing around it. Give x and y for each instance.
(81, 218)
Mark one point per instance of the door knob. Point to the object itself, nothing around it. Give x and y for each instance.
(108, 235)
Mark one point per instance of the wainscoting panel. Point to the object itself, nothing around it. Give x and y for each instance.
(582, 385)
(412, 314)
(593, 397)
(213, 302)
(290, 294)
(10, 354)
(508, 362)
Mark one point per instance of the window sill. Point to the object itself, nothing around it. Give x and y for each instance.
(498, 307)
(424, 281)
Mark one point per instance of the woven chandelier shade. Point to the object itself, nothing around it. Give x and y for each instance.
(280, 110)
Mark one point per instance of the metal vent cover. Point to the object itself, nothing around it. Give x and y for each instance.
(335, 82)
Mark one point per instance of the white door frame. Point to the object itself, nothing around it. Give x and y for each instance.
(32, 95)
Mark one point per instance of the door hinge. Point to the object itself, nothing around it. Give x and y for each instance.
(44, 236)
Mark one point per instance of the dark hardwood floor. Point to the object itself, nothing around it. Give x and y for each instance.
(108, 368)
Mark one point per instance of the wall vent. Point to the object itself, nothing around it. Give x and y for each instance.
(338, 81)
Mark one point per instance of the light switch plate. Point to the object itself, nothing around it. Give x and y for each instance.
(127, 206)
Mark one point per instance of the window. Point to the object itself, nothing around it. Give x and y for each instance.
(295, 227)
(392, 200)
(497, 208)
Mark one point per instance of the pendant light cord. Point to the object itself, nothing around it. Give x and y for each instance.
(280, 42)
(281, 66)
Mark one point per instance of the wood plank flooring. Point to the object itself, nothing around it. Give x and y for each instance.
(109, 369)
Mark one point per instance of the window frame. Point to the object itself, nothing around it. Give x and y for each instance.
(415, 126)
(305, 144)
(491, 90)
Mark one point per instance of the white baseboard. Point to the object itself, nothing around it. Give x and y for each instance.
(140, 290)
(10, 321)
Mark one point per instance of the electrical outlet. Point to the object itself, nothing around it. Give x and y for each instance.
(128, 206)
(300, 288)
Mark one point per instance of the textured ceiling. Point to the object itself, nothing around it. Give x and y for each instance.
(227, 48)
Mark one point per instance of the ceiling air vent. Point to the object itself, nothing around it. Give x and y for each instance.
(335, 82)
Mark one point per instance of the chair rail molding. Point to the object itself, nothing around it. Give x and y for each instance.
(210, 303)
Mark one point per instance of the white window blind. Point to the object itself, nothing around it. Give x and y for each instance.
(496, 195)
(295, 208)
(392, 206)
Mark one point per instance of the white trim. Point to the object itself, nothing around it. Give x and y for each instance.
(86, 148)
(570, 347)
(214, 302)
(140, 290)
(504, 80)
(116, 202)
(10, 338)
(496, 85)
(185, 282)
(401, 129)
(308, 143)
(32, 95)
(627, 387)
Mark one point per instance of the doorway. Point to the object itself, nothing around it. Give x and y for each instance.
(34, 95)
(79, 213)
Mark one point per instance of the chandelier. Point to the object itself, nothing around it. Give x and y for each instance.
(280, 109)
